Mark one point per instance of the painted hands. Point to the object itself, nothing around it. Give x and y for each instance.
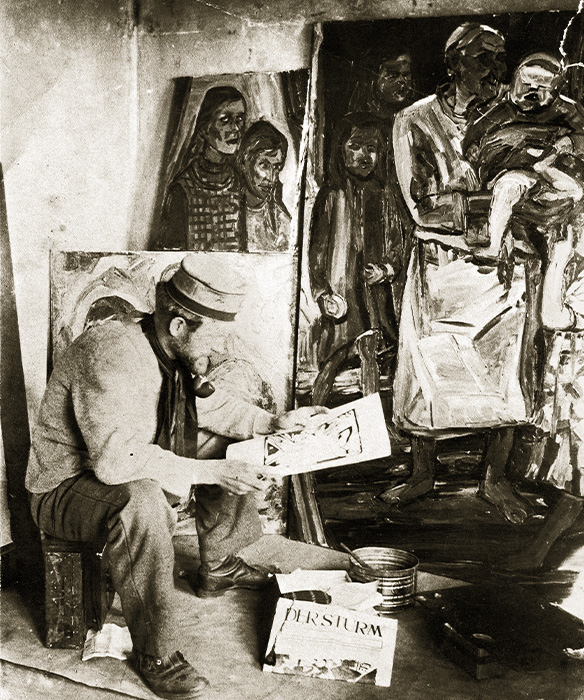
(332, 306)
(374, 273)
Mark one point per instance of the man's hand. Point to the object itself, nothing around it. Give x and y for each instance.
(299, 418)
(231, 474)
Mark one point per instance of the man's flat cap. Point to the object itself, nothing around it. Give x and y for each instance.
(207, 286)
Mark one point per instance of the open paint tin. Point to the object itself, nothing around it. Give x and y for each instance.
(394, 569)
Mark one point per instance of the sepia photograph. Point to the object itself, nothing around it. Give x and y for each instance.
(292, 350)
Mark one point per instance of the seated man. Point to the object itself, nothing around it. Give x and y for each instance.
(119, 430)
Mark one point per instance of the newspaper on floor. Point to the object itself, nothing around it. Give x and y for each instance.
(328, 641)
(337, 584)
(352, 433)
(111, 640)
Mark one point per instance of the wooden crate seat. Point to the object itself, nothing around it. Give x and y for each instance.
(78, 592)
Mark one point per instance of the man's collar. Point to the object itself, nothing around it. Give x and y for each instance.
(167, 364)
(202, 388)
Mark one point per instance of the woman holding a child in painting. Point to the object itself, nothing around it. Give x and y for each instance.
(468, 355)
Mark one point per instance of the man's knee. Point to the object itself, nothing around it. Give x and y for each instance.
(145, 499)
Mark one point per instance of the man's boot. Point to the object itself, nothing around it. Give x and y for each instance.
(172, 677)
(232, 572)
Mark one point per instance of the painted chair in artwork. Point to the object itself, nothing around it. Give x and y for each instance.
(367, 380)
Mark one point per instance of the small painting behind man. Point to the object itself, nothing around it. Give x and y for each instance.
(230, 178)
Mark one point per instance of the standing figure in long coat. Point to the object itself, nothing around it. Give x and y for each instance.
(352, 256)
(386, 91)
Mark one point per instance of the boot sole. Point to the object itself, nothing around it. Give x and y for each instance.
(190, 695)
(173, 696)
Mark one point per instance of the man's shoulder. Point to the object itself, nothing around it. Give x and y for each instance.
(114, 340)
(112, 330)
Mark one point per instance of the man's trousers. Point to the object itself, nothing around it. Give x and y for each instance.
(136, 524)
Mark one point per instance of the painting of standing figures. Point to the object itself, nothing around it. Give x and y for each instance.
(230, 181)
(444, 209)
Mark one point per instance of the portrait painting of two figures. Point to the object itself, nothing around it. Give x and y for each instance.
(408, 216)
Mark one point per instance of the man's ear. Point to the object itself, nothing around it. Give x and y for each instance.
(177, 326)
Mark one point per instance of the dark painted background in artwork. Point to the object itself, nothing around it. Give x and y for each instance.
(351, 51)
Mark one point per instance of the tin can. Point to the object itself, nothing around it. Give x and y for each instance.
(394, 569)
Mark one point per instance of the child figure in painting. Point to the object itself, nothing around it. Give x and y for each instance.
(261, 158)
(527, 146)
(352, 257)
(562, 415)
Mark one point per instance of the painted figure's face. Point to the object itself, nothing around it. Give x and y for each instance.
(196, 345)
(361, 151)
(395, 80)
(265, 172)
(224, 130)
(534, 87)
(481, 66)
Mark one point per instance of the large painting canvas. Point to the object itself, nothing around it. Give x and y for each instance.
(255, 361)
(444, 184)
